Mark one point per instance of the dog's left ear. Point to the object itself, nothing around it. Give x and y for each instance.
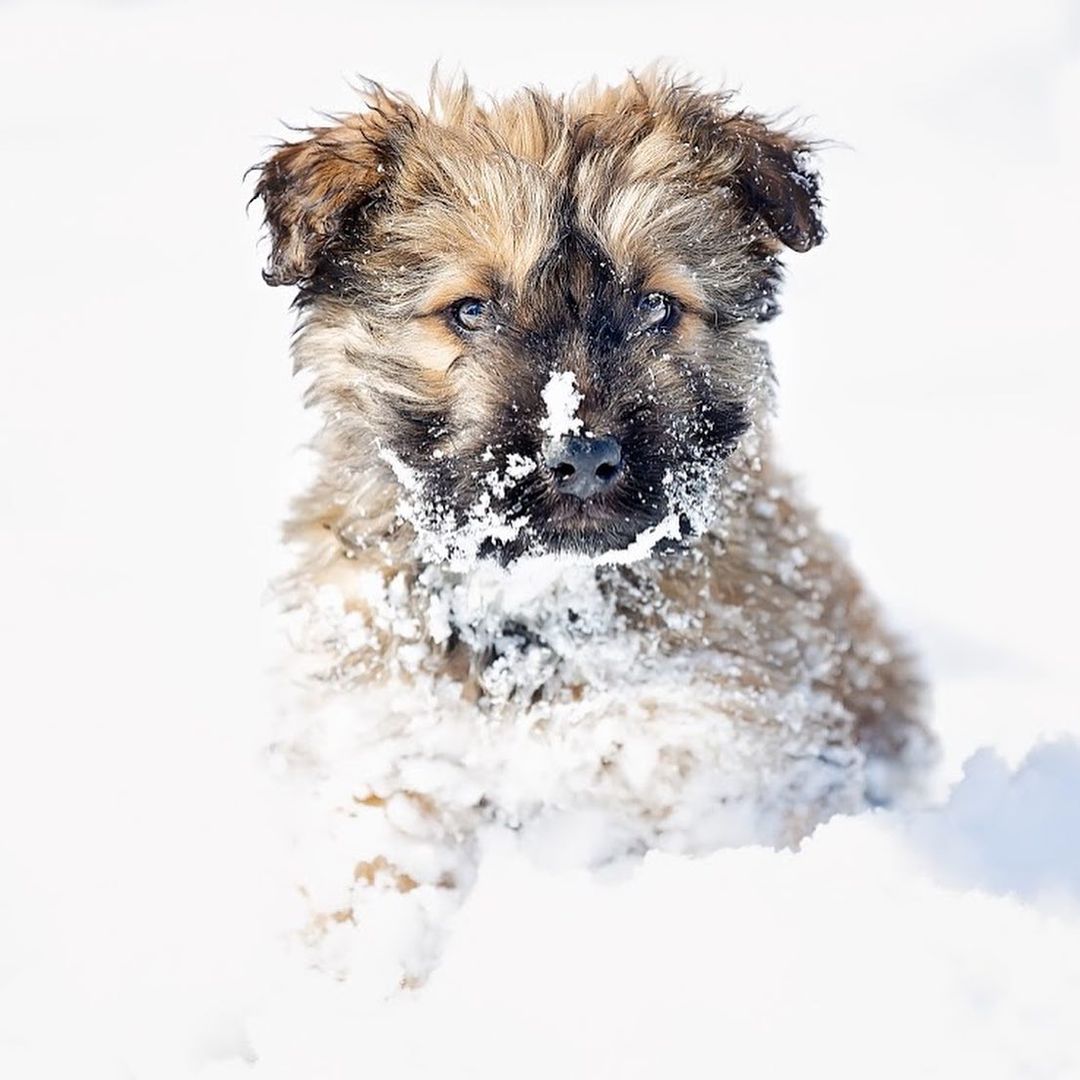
(768, 170)
(777, 182)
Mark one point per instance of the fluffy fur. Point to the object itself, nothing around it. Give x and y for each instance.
(686, 657)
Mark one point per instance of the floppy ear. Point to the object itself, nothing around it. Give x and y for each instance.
(767, 169)
(776, 180)
(310, 189)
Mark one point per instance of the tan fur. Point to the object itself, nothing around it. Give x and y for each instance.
(389, 216)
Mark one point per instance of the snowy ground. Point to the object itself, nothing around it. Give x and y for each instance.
(928, 393)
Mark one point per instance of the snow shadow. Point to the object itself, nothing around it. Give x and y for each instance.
(1009, 832)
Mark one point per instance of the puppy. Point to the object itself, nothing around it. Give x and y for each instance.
(549, 577)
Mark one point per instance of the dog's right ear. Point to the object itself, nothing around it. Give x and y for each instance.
(309, 189)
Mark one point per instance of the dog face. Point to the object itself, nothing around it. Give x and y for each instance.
(539, 313)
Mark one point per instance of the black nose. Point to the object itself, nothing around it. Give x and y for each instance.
(584, 467)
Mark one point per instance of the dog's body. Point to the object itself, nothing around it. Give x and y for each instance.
(549, 571)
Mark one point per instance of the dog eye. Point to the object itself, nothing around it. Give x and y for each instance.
(470, 313)
(655, 310)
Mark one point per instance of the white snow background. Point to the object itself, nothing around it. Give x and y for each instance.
(148, 429)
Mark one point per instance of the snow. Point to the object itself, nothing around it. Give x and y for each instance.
(845, 957)
(644, 542)
(442, 537)
(561, 399)
(927, 393)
